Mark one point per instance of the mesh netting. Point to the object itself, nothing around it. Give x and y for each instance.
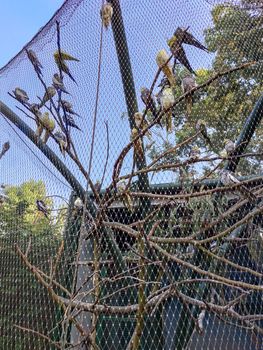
(131, 180)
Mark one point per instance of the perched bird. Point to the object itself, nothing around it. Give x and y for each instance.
(141, 123)
(69, 121)
(179, 54)
(137, 146)
(195, 153)
(167, 100)
(49, 125)
(62, 141)
(229, 146)
(228, 178)
(148, 100)
(49, 94)
(58, 83)
(35, 61)
(187, 38)
(34, 108)
(60, 62)
(21, 95)
(161, 60)
(106, 13)
(78, 204)
(67, 106)
(188, 83)
(5, 148)
(97, 186)
(41, 206)
(125, 194)
(201, 126)
(64, 56)
(40, 120)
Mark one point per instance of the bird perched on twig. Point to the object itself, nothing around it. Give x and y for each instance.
(67, 106)
(137, 145)
(60, 58)
(229, 146)
(194, 153)
(40, 124)
(182, 36)
(125, 194)
(228, 178)
(78, 204)
(141, 123)
(21, 95)
(106, 14)
(62, 141)
(162, 62)
(201, 126)
(148, 100)
(48, 125)
(167, 100)
(5, 148)
(42, 207)
(35, 61)
(58, 83)
(69, 121)
(188, 83)
(49, 94)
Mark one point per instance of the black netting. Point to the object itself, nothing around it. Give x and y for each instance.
(131, 181)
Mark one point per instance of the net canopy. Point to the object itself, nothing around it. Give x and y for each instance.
(131, 178)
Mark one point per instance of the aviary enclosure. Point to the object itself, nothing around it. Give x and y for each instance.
(131, 178)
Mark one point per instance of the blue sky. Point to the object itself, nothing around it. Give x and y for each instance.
(21, 20)
(148, 25)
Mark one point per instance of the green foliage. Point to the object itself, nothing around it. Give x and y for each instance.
(19, 212)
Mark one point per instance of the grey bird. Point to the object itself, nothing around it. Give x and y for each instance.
(49, 94)
(5, 148)
(41, 206)
(69, 121)
(58, 83)
(21, 95)
(188, 83)
(34, 60)
(67, 106)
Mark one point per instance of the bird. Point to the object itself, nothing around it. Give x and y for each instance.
(201, 127)
(167, 100)
(62, 141)
(227, 178)
(58, 83)
(34, 108)
(188, 83)
(40, 120)
(137, 145)
(141, 123)
(67, 106)
(106, 14)
(97, 186)
(187, 38)
(49, 126)
(194, 153)
(148, 100)
(5, 148)
(162, 62)
(125, 194)
(42, 207)
(179, 54)
(64, 56)
(78, 204)
(21, 95)
(229, 146)
(69, 121)
(49, 94)
(60, 62)
(34, 60)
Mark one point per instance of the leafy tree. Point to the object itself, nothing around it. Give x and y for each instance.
(19, 213)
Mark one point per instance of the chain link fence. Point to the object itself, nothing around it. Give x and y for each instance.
(131, 179)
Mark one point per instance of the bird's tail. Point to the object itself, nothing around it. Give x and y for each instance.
(169, 121)
(189, 104)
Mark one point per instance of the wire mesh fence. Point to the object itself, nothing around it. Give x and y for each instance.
(131, 179)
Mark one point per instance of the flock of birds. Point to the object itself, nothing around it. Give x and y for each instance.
(165, 100)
